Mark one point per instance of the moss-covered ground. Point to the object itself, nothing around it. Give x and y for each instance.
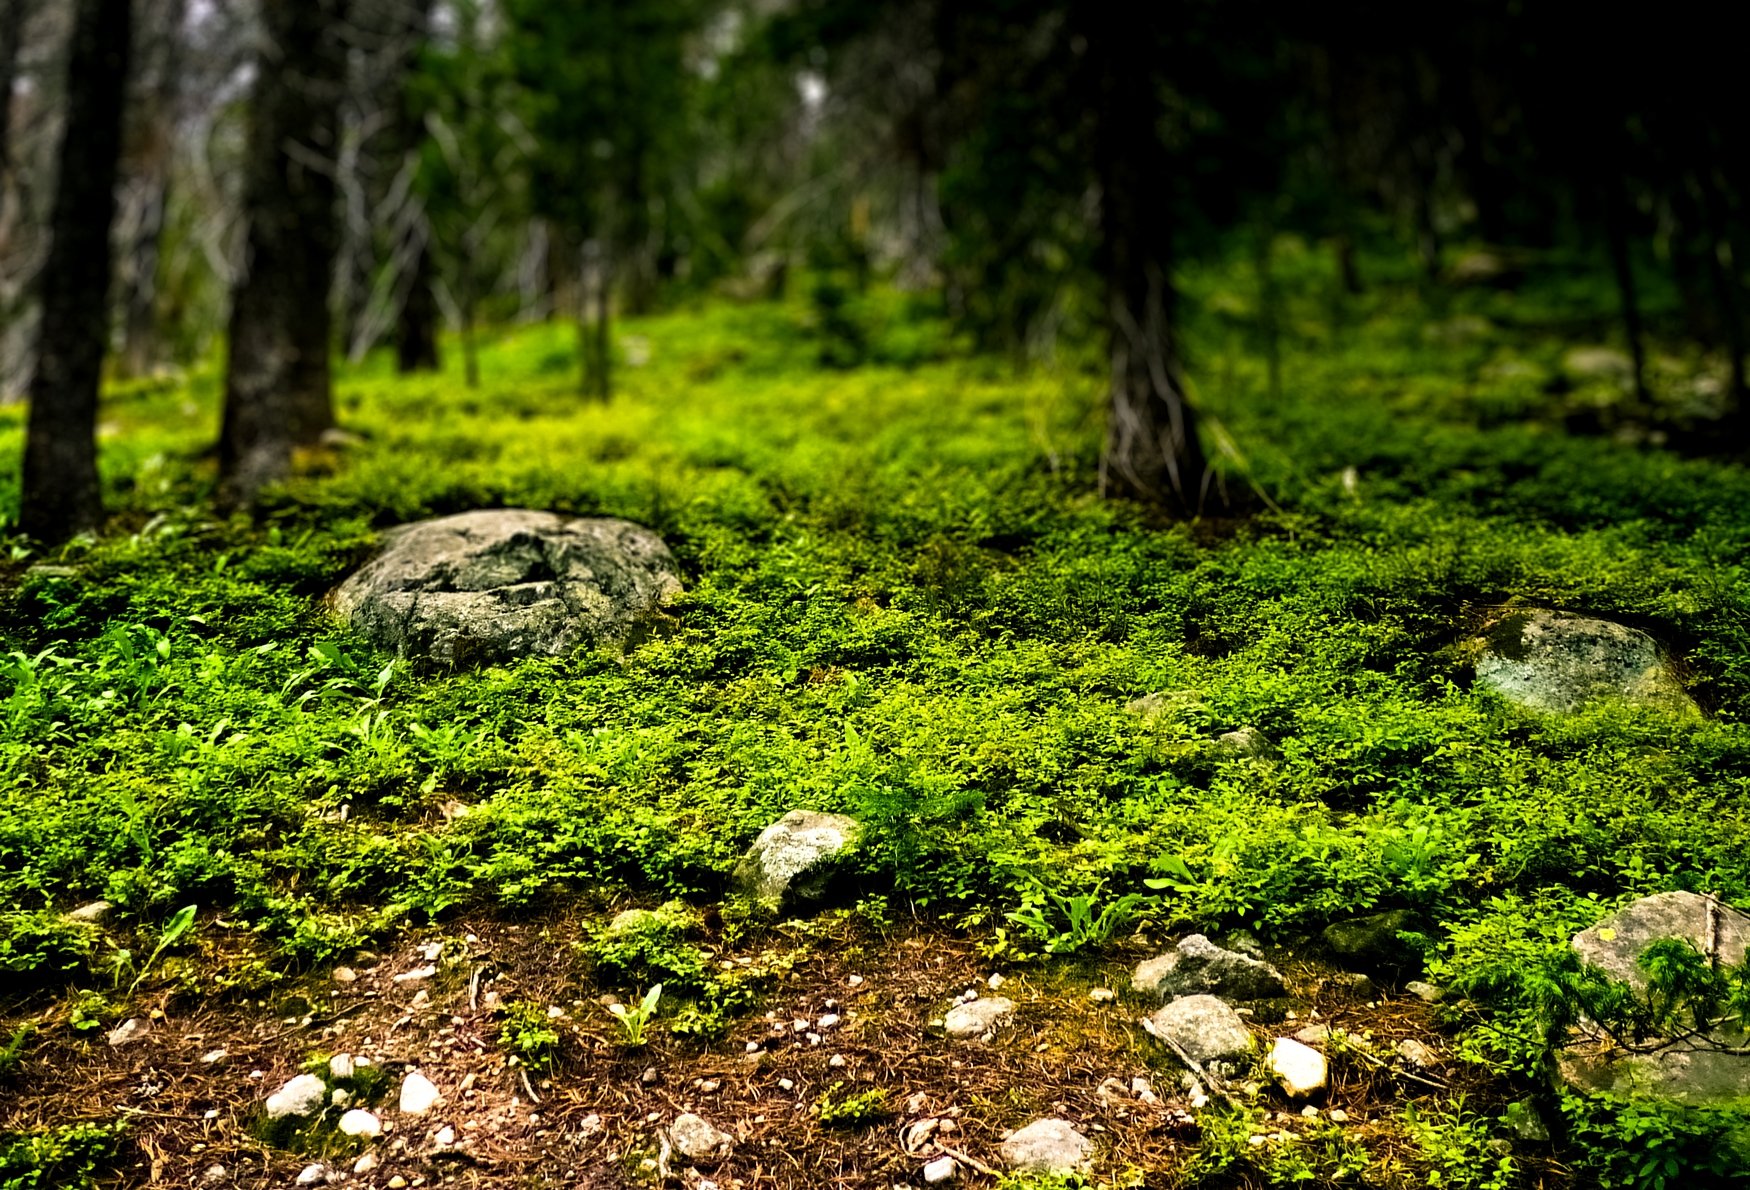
(905, 601)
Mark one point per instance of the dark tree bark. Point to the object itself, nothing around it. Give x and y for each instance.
(149, 140)
(277, 385)
(1152, 452)
(1622, 267)
(61, 496)
(12, 14)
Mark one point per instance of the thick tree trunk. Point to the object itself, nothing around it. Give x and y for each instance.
(61, 496)
(277, 386)
(12, 14)
(1152, 452)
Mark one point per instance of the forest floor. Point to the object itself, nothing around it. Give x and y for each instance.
(904, 601)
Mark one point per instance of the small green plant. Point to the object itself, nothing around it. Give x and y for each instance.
(37, 949)
(527, 1031)
(12, 1053)
(66, 1158)
(1069, 924)
(1454, 1148)
(836, 1109)
(634, 1020)
(642, 946)
(178, 925)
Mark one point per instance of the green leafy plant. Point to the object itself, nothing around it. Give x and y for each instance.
(835, 1107)
(12, 1053)
(69, 1157)
(1063, 924)
(634, 1019)
(526, 1029)
(179, 924)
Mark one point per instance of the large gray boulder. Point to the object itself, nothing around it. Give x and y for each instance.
(1205, 1028)
(1706, 1069)
(1198, 965)
(1559, 662)
(794, 862)
(495, 585)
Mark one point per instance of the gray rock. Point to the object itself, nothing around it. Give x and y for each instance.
(498, 584)
(794, 861)
(1247, 743)
(1375, 942)
(91, 911)
(1352, 984)
(302, 1095)
(1700, 1070)
(1047, 1146)
(1559, 662)
(1416, 1053)
(313, 1174)
(696, 1139)
(129, 1031)
(978, 1018)
(1615, 944)
(1197, 965)
(1207, 1029)
(418, 1094)
(1427, 993)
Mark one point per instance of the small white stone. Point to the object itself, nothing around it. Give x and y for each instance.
(1416, 1053)
(359, 1122)
(129, 1031)
(311, 1175)
(397, 1182)
(710, 1086)
(696, 1139)
(837, 1062)
(978, 1018)
(340, 1096)
(418, 1094)
(365, 1164)
(446, 1137)
(214, 1057)
(344, 975)
(995, 982)
(215, 1174)
(301, 1096)
(1310, 1112)
(941, 1170)
(92, 911)
(828, 1021)
(785, 1084)
(1301, 1069)
(416, 975)
(1102, 995)
(431, 951)
(801, 1025)
(340, 1066)
(1338, 1116)
(855, 981)
(753, 1047)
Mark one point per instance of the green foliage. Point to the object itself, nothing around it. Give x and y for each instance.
(68, 1157)
(174, 929)
(1651, 1146)
(646, 945)
(39, 948)
(837, 1107)
(1454, 1149)
(525, 1028)
(634, 1019)
(12, 1053)
(1068, 924)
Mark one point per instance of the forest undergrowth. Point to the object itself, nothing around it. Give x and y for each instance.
(904, 601)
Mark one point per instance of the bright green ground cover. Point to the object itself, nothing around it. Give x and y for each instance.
(904, 602)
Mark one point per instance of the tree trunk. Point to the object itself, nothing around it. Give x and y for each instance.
(277, 385)
(1622, 265)
(416, 344)
(12, 14)
(150, 147)
(1152, 452)
(61, 495)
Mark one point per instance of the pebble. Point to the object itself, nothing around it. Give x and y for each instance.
(710, 1086)
(340, 1066)
(978, 1018)
(828, 1021)
(1416, 1053)
(941, 1170)
(215, 1174)
(785, 1084)
(430, 951)
(650, 1077)
(1338, 1116)
(837, 1062)
(311, 1175)
(365, 1164)
(418, 1094)
(345, 975)
(1301, 1069)
(301, 1096)
(1102, 995)
(416, 975)
(445, 1138)
(995, 982)
(397, 1182)
(1047, 1146)
(696, 1139)
(214, 1057)
(359, 1122)
(1143, 1090)
(92, 911)
(855, 981)
(1425, 992)
(129, 1031)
